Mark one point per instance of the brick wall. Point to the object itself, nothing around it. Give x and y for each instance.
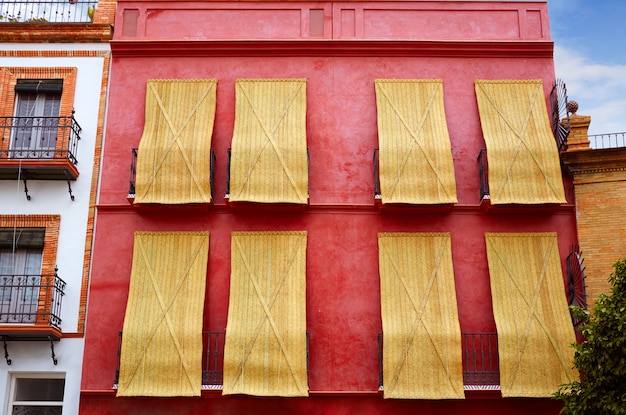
(601, 210)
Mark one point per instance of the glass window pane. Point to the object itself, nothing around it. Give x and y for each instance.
(39, 390)
(37, 410)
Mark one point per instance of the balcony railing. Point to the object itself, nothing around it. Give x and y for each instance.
(377, 194)
(576, 287)
(480, 360)
(484, 180)
(31, 299)
(561, 124)
(39, 138)
(212, 359)
(133, 172)
(612, 140)
(47, 11)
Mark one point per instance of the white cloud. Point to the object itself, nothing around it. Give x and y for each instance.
(599, 89)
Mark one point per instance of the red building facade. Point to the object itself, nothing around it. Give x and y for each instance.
(334, 53)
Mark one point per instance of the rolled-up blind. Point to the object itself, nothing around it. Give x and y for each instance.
(524, 165)
(421, 333)
(269, 162)
(173, 161)
(415, 154)
(161, 351)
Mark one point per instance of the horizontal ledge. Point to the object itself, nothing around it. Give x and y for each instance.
(216, 393)
(341, 208)
(341, 48)
(51, 32)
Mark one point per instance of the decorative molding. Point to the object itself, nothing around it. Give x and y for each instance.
(342, 48)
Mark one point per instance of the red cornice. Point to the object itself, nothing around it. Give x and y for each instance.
(294, 48)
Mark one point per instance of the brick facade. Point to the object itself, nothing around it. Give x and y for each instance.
(600, 185)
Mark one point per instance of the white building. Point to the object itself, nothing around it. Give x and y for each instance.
(52, 98)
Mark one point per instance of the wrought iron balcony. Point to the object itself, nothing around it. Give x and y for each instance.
(377, 194)
(480, 361)
(39, 148)
(30, 305)
(212, 359)
(561, 125)
(576, 287)
(133, 172)
(229, 153)
(484, 180)
(47, 11)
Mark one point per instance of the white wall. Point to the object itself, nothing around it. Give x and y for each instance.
(52, 197)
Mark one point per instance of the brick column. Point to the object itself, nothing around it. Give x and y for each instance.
(578, 138)
(105, 12)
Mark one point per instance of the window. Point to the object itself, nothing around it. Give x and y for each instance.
(37, 395)
(21, 251)
(37, 106)
(30, 289)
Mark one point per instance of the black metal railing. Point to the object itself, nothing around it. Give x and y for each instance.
(39, 138)
(133, 172)
(480, 359)
(212, 358)
(561, 125)
(576, 287)
(609, 140)
(484, 178)
(376, 176)
(31, 299)
(47, 11)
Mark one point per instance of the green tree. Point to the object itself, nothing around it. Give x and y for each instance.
(601, 358)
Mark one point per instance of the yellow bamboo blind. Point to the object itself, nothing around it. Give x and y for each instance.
(173, 161)
(415, 156)
(265, 349)
(523, 159)
(162, 336)
(422, 356)
(532, 317)
(269, 162)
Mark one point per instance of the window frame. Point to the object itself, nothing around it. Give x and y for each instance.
(11, 76)
(37, 112)
(51, 227)
(11, 401)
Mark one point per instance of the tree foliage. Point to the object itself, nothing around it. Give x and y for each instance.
(601, 358)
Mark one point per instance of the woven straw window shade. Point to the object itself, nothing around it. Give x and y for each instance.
(415, 155)
(265, 349)
(162, 336)
(535, 331)
(173, 162)
(524, 166)
(269, 162)
(422, 356)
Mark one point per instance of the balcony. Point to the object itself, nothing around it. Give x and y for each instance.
(39, 148)
(258, 206)
(484, 180)
(47, 11)
(481, 370)
(480, 361)
(212, 359)
(30, 307)
(133, 174)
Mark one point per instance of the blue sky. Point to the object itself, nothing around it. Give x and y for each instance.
(590, 57)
